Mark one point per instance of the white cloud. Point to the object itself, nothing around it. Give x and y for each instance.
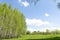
(46, 14)
(36, 22)
(30, 29)
(39, 29)
(43, 29)
(19, 0)
(25, 3)
(40, 25)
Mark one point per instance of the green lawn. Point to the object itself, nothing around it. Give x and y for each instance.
(35, 37)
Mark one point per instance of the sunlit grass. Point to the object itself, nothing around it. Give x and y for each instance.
(34, 37)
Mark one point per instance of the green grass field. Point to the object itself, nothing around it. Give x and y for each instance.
(37, 37)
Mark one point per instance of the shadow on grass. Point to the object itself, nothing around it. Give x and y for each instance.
(55, 38)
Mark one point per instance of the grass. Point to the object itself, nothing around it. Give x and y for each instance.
(35, 37)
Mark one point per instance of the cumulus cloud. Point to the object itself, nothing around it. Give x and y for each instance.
(46, 14)
(36, 22)
(25, 3)
(40, 25)
(51, 27)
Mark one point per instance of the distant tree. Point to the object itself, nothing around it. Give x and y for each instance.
(34, 32)
(57, 31)
(28, 32)
(47, 31)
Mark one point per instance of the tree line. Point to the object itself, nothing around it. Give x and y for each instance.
(12, 22)
(47, 32)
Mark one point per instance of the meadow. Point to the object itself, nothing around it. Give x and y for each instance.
(13, 26)
(37, 37)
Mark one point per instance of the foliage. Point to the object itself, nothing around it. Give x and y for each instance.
(58, 5)
(55, 32)
(28, 32)
(12, 22)
(33, 1)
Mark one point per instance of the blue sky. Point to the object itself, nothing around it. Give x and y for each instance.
(44, 15)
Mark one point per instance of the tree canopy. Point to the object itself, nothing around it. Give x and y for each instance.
(12, 22)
